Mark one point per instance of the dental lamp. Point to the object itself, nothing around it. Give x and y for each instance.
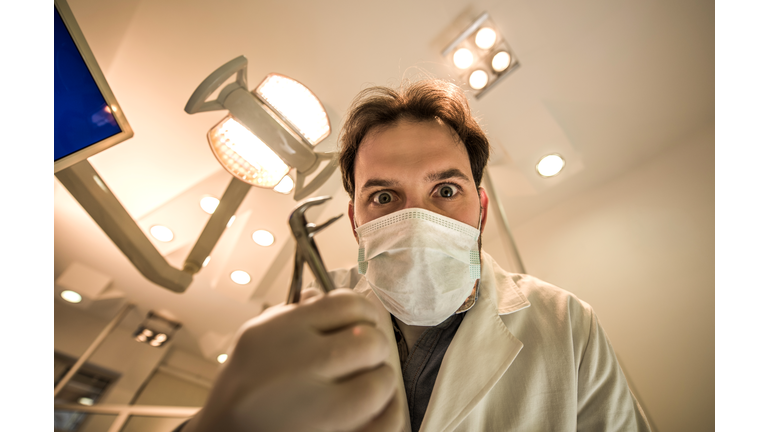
(268, 131)
(481, 56)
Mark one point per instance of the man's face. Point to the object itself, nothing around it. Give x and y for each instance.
(415, 164)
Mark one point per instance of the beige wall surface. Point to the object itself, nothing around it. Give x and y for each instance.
(641, 250)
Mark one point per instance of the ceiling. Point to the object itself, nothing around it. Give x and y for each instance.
(607, 83)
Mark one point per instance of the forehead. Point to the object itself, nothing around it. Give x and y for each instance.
(409, 147)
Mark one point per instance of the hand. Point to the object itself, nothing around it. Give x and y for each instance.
(313, 366)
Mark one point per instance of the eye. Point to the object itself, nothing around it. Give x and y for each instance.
(382, 197)
(447, 190)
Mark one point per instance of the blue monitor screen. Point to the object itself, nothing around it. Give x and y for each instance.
(82, 116)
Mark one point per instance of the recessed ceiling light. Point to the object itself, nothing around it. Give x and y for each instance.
(222, 358)
(463, 58)
(207, 260)
(85, 401)
(501, 61)
(485, 38)
(550, 165)
(263, 238)
(71, 296)
(240, 277)
(209, 204)
(285, 186)
(231, 221)
(478, 79)
(162, 233)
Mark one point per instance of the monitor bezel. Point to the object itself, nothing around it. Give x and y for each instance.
(93, 67)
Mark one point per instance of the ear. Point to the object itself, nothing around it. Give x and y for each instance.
(351, 214)
(484, 205)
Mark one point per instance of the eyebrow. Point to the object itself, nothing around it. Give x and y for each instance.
(430, 177)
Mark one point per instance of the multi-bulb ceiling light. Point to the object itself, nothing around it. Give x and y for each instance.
(268, 131)
(481, 56)
(155, 330)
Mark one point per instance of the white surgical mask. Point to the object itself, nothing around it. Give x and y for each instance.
(421, 265)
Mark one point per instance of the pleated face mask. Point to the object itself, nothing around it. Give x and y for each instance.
(421, 265)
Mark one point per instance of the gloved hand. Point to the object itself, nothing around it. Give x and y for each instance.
(313, 366)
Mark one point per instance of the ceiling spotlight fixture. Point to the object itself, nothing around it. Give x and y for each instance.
(285, 186)
(268, 131)
(485, 38)
(222, 358)
(263, 238)
(209, 204)
(550, 165)
(85, 401)
(478, 79)
(240, 277)
(161, 233)
(481, 46)
(155, 330)
(71, 296)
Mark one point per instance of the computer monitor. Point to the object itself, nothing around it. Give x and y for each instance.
(87, 117)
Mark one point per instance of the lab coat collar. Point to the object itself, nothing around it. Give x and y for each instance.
(481, 351)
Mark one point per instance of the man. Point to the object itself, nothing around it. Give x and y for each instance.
(428, 332)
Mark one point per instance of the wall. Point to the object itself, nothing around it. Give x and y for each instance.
(641, 250)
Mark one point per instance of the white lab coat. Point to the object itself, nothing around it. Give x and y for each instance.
(528, 356)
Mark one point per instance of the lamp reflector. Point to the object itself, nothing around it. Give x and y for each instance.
(297, 105)
(550, 165)
(501, 61)
(244, 155)
(478, 79)
(209, 204)
(463, 58)
(485, 38)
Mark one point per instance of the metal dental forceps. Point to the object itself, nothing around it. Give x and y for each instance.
(306, 250)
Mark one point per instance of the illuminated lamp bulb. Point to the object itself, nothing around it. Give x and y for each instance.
(240, 277)
(85, 401)
(263, 238)
(463, 58)
(285, 186)
(296, 104)
(485, 38)
(209, 204)
(161, 233)
(478, 79)
(244, 155)
(501, 61)
(550, 165)
(71, 296)
(222, 358)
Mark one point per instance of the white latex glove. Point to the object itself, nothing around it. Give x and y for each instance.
(313, 366)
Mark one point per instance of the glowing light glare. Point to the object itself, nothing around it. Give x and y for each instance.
(71, 296)
(85, 401)
(297, 104)
(478, 79)
(463, 58)
(209, 204)
(240, 277)
(207, 260)
(485, 38)
(501, 61)
(244, 155)
(285, 186)
(263, 238)
(231, 221)
(162, 233)
(550, 165)
(222, 358)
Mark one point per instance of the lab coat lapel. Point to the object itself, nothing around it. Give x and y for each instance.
(480, 353)
(384, 323)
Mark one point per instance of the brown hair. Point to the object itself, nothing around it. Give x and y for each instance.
(426, 100)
